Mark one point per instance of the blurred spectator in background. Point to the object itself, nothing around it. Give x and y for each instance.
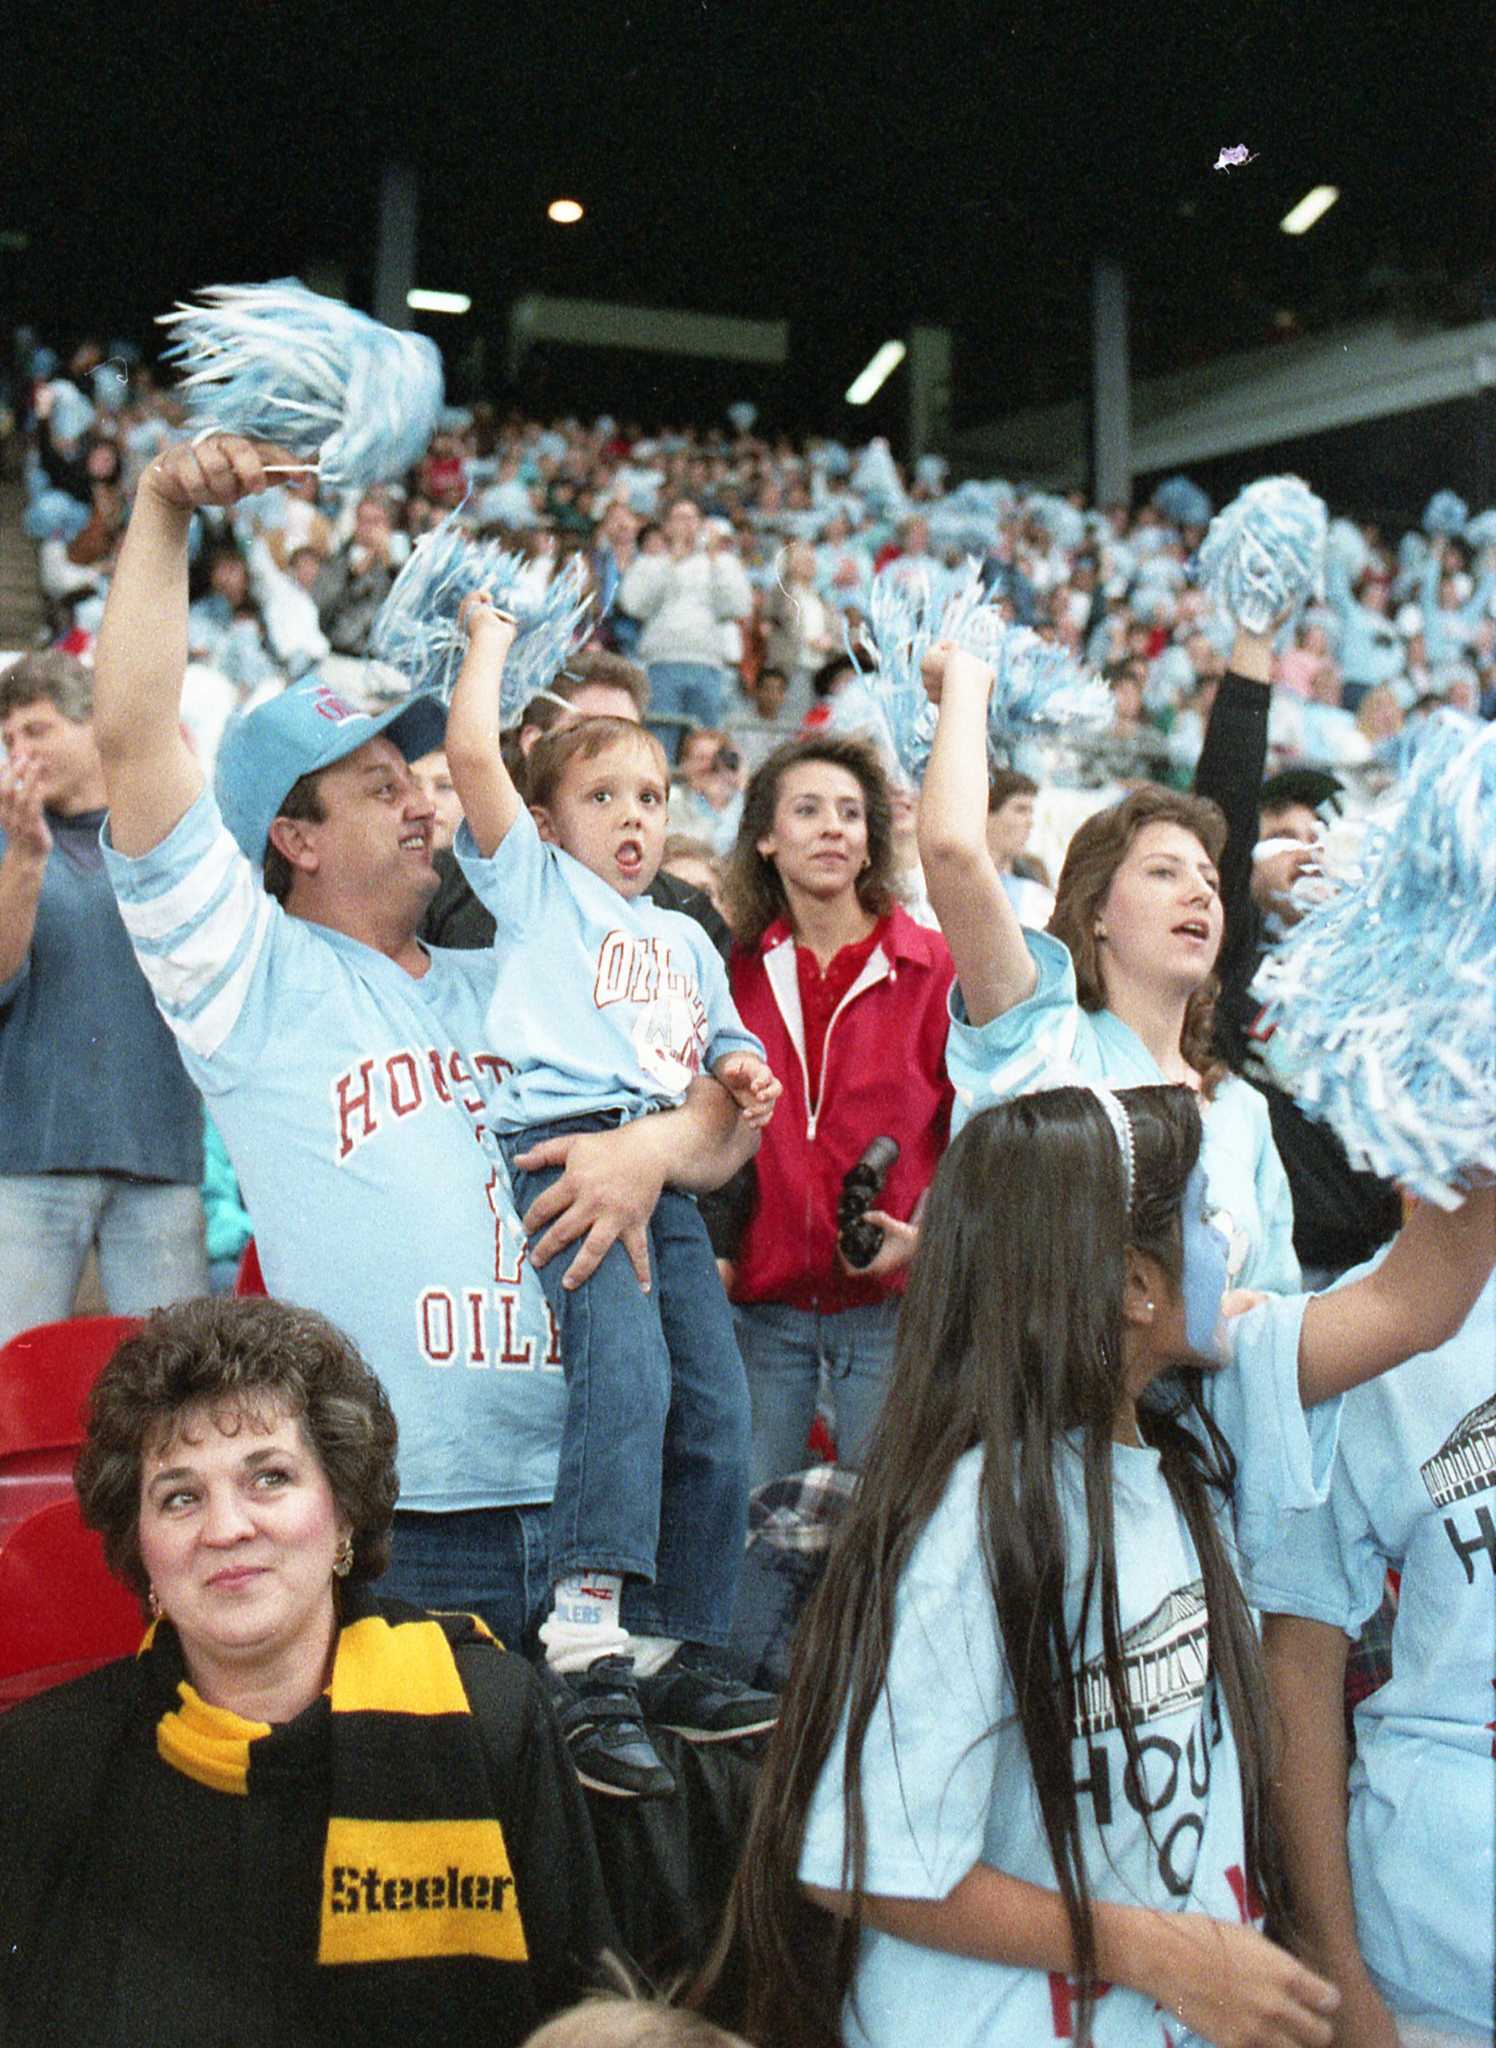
(354, 583)
(684, 596)
(100, 1129)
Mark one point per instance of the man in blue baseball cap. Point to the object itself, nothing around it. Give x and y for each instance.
(345, 1063)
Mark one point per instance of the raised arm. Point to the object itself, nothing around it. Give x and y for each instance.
(150, 773)
(1306, 1672)
(1232, 760)
(475, 756)
(1415, 1300)
(980, 925)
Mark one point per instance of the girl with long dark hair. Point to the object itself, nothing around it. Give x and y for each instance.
(1018, 1791)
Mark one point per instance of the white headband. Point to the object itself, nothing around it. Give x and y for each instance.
(1121, 1123)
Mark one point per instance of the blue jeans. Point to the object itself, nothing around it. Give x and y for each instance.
(786, 1351)
(653, 1474)
(484, 1561)
(149, 1235)
(680, 691)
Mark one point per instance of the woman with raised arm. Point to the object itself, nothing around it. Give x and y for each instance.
(1122, 985)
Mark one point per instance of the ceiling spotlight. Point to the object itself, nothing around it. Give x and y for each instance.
(564, 211)
(1312, 207)
(437, 302)
(869, 382)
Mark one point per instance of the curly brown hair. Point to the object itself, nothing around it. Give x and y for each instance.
(251, 1357)
(1094, 855)
(755, 894)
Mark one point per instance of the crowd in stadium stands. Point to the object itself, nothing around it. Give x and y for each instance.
(731, 577)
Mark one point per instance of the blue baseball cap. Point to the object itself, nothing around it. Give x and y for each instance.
(320, 720)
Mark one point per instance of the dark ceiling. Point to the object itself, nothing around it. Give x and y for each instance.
(847, 170)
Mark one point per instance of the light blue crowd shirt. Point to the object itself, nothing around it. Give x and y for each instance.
(945, 1773)
(606, 1004)
(1027, 1046)
(348, 1095)
(1415, 1489)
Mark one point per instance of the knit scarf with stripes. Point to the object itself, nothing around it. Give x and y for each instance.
(415, 1868)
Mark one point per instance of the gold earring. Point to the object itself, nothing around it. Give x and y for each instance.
(342, 1563)
(153, 1603)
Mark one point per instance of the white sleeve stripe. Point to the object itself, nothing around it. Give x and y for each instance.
(202, 955)
(229, 896)
(152, 915)
(205, 1028)
(195, 980)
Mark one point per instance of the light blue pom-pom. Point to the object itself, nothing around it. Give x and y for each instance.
(742, 415)
(1264, 554)
(43, 364)
(1380, 997)
(54, 515)
(1182, 502)
(1345, 545)
(876, 479)
(110, 387)
(1058, 518)
(280, 363)
(416, 629)
(1445, 513)
(930, 470)
(1037, 684)
(1481, 530)
(72, 415)
(832, 458)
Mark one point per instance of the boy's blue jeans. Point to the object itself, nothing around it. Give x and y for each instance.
(653, 1474)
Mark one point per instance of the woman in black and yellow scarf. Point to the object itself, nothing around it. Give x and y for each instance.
(298, 1814)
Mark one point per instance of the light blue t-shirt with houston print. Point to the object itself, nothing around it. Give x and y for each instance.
(349, 1096)
(946, 1780)
(606, 1003)
(1414, 1490)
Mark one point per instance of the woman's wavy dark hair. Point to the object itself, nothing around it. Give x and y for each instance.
(754, 890)
(1010, 1337)
(1097, 850)
(249, 1359)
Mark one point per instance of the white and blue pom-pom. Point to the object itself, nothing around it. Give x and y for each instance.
(72, 413)
(416, 629)
(1182, 502)
(1445, 513)
(1380, 998)
(1037, 684)
(280, 363)
(1345, 545)
(1481, 530)
(1058, 518)
(1264, 554)
(876, 479)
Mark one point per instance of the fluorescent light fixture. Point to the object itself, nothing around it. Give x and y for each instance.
(872, 380)
(564, 211)
(438, 302)
(1312, 207)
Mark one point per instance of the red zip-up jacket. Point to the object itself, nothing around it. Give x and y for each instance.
(882, 1076)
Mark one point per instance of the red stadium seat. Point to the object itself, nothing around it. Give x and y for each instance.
(45, 1377)
(249, 1279)
(61, 1611)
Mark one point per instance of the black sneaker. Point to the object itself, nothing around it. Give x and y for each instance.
(602, 1724)
(695, 1698)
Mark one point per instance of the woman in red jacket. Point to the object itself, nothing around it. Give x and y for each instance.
(848, 994)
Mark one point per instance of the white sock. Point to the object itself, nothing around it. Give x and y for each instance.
(652, 1653)
(583, 1623)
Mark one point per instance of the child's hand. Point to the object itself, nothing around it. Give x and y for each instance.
(943, 660)
(752, 1086)
(479, 615)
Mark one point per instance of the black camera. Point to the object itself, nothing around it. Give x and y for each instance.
(727, 758)
(861, 1186)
